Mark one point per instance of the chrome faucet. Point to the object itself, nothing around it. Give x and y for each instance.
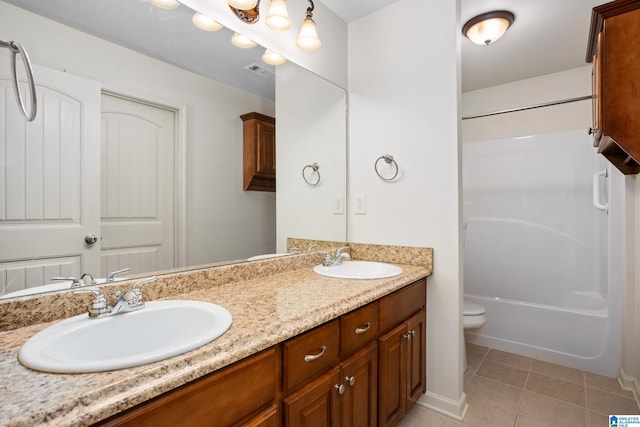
(91, 279)
(75, 282)
(112, 276)
(129, 300)
(331, 261)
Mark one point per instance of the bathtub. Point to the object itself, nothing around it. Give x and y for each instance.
(537, 255)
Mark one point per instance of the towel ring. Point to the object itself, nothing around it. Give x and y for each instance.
(388, 159)
(16, 48)
(312, 182)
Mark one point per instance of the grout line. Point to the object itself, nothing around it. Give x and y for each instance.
(524, 388)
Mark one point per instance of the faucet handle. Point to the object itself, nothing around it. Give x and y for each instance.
(99, 305)
(339, 250)
(92, 281)
(75, 282)
(111, 276)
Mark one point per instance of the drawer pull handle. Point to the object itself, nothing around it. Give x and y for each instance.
(350, 380)
(363, 329)
(312, 357)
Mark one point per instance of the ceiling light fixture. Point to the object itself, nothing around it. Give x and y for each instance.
(277, 17)
(308, 37)
(488, 27)
(273, 58)
(165, 4)
(242, 42)
(205, 23)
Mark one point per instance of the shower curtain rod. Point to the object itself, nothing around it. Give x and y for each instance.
(529, 107)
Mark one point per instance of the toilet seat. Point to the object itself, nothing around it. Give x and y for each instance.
(472, 309)
(474, 315)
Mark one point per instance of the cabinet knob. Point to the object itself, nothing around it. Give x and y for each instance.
(592, 131)
(350, 380)
(407, 337)
(340, 388)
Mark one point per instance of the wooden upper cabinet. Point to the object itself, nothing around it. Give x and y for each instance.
(259, 152)
(614, 51)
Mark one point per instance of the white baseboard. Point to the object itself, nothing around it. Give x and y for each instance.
(451, 408)
(629, 383)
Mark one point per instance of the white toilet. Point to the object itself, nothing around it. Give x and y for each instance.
(474, 318)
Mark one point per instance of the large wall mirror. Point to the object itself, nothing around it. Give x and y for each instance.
(142, 66)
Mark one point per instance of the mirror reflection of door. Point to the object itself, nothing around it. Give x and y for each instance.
(137, 185)
(49, 180)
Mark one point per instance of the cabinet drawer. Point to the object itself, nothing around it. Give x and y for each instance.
(308, 354)
(401, 304)
(358, 328)
(219, 399)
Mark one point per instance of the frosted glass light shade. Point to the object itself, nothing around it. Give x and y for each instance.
(308, 37)
(273, 58)
(243, 4)
(488, 27)
(165, 4)
(205, 23)
(242, 42)
(277, 17)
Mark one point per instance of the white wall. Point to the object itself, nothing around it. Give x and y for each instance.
(629, 374)
(223, 222)
(311, 127)
(403, 100)
(552, 87)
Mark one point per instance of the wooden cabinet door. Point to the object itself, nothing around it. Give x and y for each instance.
(359, 402)
(416, 357)
(270, 417)
(316, 404)
(392, 376)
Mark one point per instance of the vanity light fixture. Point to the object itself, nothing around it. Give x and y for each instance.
(308, 37)
(242, 42)
(488, 27)
(277, 17)
(205, 23)
(165, 4)
(243, 4)
(273, 58)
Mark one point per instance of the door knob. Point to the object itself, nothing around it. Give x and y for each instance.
(90, 239)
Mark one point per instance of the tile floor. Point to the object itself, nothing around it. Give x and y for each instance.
(509, 390)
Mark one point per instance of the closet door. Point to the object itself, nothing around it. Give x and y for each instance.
(49, 180)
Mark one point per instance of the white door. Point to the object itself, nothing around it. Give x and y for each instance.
(49, 180)
(138, 174)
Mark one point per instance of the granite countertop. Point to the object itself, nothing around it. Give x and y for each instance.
(266, 311)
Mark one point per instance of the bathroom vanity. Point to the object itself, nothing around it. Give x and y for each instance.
(302, 348)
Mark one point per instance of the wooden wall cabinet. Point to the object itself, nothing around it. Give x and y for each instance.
(615, 53)
(259, 152)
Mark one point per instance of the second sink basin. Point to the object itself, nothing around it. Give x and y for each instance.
(359, 270)
(160, 330)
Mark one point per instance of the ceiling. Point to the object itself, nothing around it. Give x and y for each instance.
(547, 36)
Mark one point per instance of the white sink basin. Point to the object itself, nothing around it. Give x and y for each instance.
(265, 256)
(359, 270)
(160, 330)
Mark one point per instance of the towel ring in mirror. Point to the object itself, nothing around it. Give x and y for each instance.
(388, 159)
(314, 176)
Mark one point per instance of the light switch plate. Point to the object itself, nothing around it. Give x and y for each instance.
(360, 202)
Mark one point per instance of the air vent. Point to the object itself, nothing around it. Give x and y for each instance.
(259, 70)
